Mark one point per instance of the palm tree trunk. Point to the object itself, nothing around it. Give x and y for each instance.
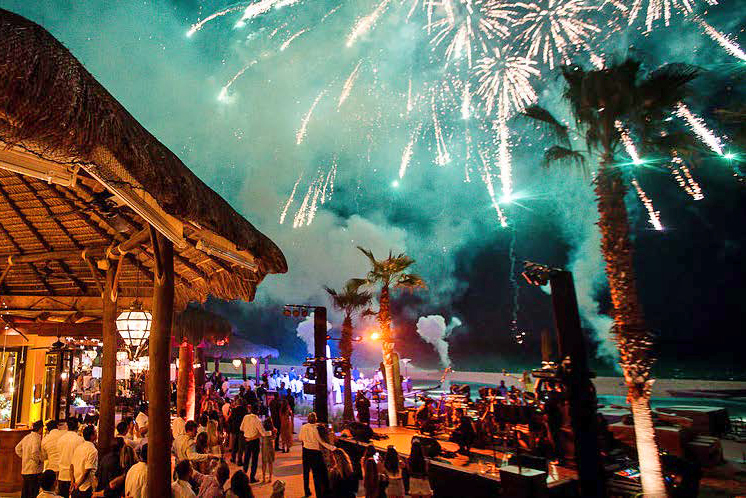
(346, 349)
(632, 336)
(384, 318)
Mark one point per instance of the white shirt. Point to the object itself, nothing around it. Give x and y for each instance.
(67, 444)
(178, 426)
(29, 451)
(309, 436)
(85, 458)
(136, 482)
(50, 449)
(181, 489)
(226, 385)
(141, 420)
(47, 494)
(184, 449)
(251, 427)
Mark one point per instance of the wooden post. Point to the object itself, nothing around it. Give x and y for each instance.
(199, 376)
(243, 368)
(185, 397)
(159, 420)
(258, 373)
(107, 408)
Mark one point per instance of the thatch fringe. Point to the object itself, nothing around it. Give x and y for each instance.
(50, 102)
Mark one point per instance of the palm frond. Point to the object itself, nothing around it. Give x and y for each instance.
(666, 86)
(548, 121)
(410, 281)
(559, 154)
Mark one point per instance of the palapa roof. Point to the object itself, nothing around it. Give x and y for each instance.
(240, 348)
(195, 325)
(79, 175)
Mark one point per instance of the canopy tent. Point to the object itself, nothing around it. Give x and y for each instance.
(96, 213)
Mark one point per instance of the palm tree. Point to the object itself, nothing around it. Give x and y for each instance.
(349, 301)
(603, 104)
(390, 273)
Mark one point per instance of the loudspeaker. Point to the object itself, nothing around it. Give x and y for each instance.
(430, 446)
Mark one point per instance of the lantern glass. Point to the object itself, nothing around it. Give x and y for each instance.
(134, 327)
(236, 364)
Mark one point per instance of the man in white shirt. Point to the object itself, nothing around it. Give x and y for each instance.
(84, 464)
(141, 421)
(251, 427)
(29, 451)
(181, 488)
(136, 482)
(50, 450)
(67, 444)
(313, 460)
(184, 445)
(177, 426)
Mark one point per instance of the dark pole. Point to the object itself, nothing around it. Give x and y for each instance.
(581, 393)
(108, 363)
(319, 344)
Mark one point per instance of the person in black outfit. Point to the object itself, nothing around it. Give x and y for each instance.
(464, 434)
(425, 415)
(342, 479)
(239, 443)
(362, 405)
(109, 469)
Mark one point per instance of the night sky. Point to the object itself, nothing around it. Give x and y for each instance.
(245, 146)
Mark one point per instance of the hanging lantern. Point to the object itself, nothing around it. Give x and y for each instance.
(236, 364)
(91, 353)
(134, 327)
(253, 361)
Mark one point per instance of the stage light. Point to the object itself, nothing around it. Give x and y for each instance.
(296, 313)
(729, 156)
(304, 312)
(286, 312)
(395, 184)
(254, 361)
(236, 364)
(375, 336)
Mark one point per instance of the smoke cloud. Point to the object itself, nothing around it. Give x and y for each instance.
(305, 332)
(433, 330)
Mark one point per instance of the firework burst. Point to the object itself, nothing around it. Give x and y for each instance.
(555, 29)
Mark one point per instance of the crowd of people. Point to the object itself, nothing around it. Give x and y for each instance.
(245, 426)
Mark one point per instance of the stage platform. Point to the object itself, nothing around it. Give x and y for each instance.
(476, 473)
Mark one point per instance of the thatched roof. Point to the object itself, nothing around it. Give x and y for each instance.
(240, 348)
(51, 103)
(195, 325)
(78, 175)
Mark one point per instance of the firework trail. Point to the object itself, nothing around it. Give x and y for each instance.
(258, 8)
(290, 40)
(505, 80)
(347, 88)
(724, 41)
(301, 134)
(684, 177)
(653, 215)
(317, 185)
(629, 145)
(503, 155)
(335, 9)
(410, 102)
(300, 216)
(554, 28)
(290, 200)
(660, 9)
(199, 25)
(467, 167)
(466, 103)
(331, 176)
(699, 128)
(406, 156)
(487, 179)
(443, 157)
(224, 91)
(468, 26)
(364, 24)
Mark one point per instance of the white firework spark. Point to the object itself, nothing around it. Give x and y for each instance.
(290, 40)
(364, 24)
(224, 91)
(349, 83)
(653, 215)
(300, 216)
(556, 28)
(505, 80)
(258, 8)
(290, 200)
(200, 24)
(657, 10)
(466, 103)
(684, 177)
(301, 133)
(503, 155)
(629, 145)
(406, 156)
(469, 26)
(699, 127)
(724, 41)
(443, 156)
(487, 179)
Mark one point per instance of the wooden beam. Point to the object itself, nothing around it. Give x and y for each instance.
(65, 254)
(159, 418)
